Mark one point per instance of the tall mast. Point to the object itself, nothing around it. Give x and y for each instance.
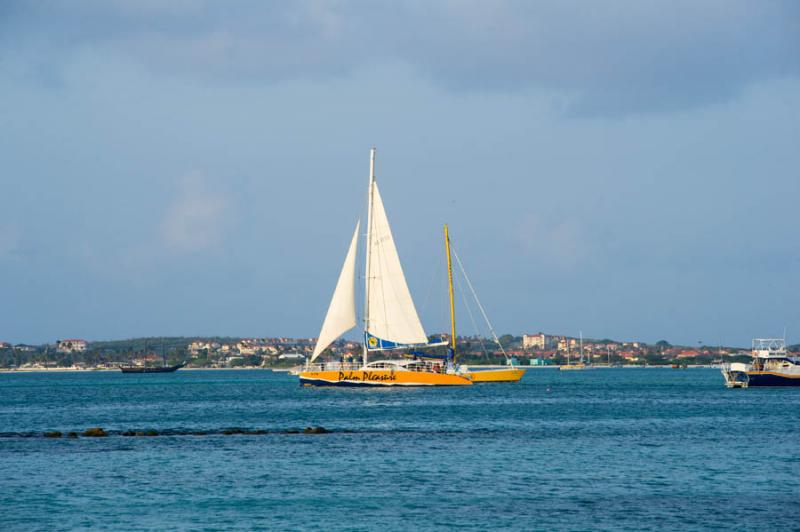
(368, 272)
(452, 299)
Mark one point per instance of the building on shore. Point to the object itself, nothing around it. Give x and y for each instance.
(567, 344)
(25, 348)
(539, 341)
(72, 345)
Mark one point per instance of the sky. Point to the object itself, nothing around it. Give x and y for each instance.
(626, 169)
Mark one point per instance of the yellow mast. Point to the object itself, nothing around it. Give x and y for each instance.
(452, 299)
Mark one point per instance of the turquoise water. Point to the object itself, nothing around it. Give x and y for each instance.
(598, 449)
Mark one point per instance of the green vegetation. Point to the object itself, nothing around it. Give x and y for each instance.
(509, 341)
(157, 344)
(114, 352)
(225, 352)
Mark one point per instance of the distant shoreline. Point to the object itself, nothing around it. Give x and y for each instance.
(93, 370)
(285, 370)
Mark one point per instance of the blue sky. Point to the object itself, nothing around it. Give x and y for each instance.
(628, 169)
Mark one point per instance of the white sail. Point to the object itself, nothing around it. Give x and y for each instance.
(391, 313)
(341, 315)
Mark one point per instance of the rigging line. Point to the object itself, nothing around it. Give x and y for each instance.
(386, 324)
(388, 290)
(368, 258)
(478, 301)
(471, 317)
(434, 282)
(361, 272)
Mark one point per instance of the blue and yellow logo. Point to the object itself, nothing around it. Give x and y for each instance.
(372, 341)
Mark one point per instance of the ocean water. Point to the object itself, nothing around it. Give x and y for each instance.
(598, 449)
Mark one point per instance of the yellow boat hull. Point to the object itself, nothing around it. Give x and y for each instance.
(497, 375)
(381, 377)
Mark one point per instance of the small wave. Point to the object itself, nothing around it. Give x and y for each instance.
(99, 432)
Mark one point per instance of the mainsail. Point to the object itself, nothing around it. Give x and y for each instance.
(341, 315)
(391, 315)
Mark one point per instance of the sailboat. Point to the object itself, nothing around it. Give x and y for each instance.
(573, 367)
(390, 320)
(144, 368)
(151, 369)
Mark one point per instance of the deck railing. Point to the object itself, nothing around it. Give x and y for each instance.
(412, 365)
(332, 366)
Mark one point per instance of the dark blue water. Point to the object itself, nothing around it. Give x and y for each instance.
(598, 449)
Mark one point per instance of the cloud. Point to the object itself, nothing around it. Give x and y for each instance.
(561, 243)
(195, 219)
(9, 241)
(613, 57)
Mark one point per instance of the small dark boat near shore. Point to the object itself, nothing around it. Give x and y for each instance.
(151, 369)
